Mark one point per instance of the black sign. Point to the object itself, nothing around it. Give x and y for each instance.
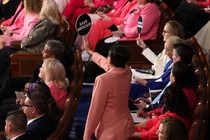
(140, 24)
(83, 24)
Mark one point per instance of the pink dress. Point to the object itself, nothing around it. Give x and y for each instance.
(29, 21)
(58, 94)
(109, 116)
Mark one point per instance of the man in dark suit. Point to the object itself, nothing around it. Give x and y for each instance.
(39, 124)
(15, 127)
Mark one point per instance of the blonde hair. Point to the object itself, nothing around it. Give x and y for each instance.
(176, 28)
(55, 72)
(50, 10)
(33, 6)
(172, 40)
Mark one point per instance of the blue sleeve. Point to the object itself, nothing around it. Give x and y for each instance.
(160, 85)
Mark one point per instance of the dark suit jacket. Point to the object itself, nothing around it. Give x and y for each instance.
(24, 137)
(41, 128)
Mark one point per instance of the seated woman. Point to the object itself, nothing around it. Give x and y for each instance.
(175, 106)
(32, 9)
(53, 74)
(182, 75)
(84, 6)
(109, 109)
(43, 31)
(128, 27)
(16, 21)
(172, 28)
(172, 129)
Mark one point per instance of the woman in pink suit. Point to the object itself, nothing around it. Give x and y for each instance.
(109, 116)
(16, 21)
(128, 27)
(32, 9)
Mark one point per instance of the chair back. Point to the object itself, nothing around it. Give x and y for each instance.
(63, 129)
(65, 33)
(166, 15)
(201, 113)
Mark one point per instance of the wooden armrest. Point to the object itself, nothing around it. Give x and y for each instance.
(141, 66)
(16, 44)
(24, 64)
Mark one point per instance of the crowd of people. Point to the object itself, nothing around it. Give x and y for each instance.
(35, 115)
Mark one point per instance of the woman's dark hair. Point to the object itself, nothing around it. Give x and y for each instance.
(184, 51)
(119, 55)
(42, 88)
(175, 101)
(174, 129)
(184, 75)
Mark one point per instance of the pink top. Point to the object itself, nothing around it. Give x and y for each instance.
(109, 116)
(58, 94)
(153, 125)
(29, 22)
(18, 23)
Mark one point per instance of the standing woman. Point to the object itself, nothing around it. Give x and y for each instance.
(32, 9)
(109, 116)
(53, 74)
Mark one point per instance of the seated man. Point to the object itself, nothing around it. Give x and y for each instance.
(39, 124)
(15, 128)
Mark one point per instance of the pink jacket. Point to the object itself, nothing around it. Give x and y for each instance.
(29, 22)
(153, 125)
(58, 94)
(109, 116)
(18, 23)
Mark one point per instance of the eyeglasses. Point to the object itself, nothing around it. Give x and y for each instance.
(164, 32)
(25, 105)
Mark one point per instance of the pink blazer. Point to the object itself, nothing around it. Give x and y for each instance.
(18, 23)
(109, 116)
(29, 22)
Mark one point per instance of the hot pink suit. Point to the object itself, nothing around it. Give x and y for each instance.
(109, 116)
(153, 124)
(29, 21)
(150, 14)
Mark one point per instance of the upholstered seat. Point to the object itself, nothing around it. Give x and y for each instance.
(201, 114)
